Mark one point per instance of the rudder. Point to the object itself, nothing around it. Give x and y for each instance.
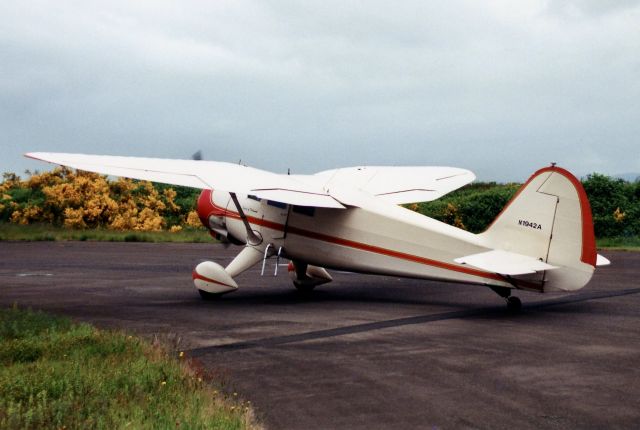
(549, 219)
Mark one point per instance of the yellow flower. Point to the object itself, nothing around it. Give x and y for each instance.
(618, 215)
(170, 195)
(74, 218)
(193, 220)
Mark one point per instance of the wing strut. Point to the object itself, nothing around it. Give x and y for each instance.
(253, 237)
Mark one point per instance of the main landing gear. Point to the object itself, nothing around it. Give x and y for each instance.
(513, 303)
(306, 277)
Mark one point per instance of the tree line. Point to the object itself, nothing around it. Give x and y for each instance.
(615, 205)
(77, 199)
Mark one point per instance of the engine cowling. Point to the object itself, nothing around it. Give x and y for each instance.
(212, 211)
(211, 216)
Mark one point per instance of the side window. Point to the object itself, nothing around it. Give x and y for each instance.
(304, 210)
(277, 204)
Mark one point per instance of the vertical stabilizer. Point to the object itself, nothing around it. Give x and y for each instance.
(549, 219)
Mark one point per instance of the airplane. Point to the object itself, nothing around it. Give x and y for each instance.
(350, 219)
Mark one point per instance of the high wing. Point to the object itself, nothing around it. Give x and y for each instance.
(329, 189)
(398, 184)
(199, 174)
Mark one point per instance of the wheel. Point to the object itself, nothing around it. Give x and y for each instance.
(514, 304)
(209, 296)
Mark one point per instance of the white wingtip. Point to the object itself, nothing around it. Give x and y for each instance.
(40, 156)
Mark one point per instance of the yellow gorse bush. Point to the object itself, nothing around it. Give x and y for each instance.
(193, 219)
(78, 199)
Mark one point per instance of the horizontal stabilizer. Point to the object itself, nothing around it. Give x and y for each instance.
(505, 263)
(602, 260)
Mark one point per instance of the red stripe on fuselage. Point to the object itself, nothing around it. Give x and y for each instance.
(363, 246)
(392, 253)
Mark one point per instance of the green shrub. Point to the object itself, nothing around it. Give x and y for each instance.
(615, 205)
(473, 207)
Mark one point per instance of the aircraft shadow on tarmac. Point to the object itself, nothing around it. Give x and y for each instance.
(571, 304)
(254, 297)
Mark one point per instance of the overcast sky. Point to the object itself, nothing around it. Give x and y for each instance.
(498, 87)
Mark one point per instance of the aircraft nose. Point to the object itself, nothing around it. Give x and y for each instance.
(205, 207)
(211, 216)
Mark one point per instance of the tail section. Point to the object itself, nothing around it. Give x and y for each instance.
(550, 220)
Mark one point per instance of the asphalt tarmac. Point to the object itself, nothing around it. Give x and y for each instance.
(363, 352)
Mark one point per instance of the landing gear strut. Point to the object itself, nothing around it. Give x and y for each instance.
(306, 277)
(513, 303)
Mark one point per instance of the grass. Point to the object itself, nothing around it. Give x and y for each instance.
(631, 243)
(58, 374)
(46, 232)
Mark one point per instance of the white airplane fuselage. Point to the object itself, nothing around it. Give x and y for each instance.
(381, 239)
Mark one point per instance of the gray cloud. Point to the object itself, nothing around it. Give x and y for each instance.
(593, 8)
(500, 88)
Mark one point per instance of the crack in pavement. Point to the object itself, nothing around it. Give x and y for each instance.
(379, 325)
